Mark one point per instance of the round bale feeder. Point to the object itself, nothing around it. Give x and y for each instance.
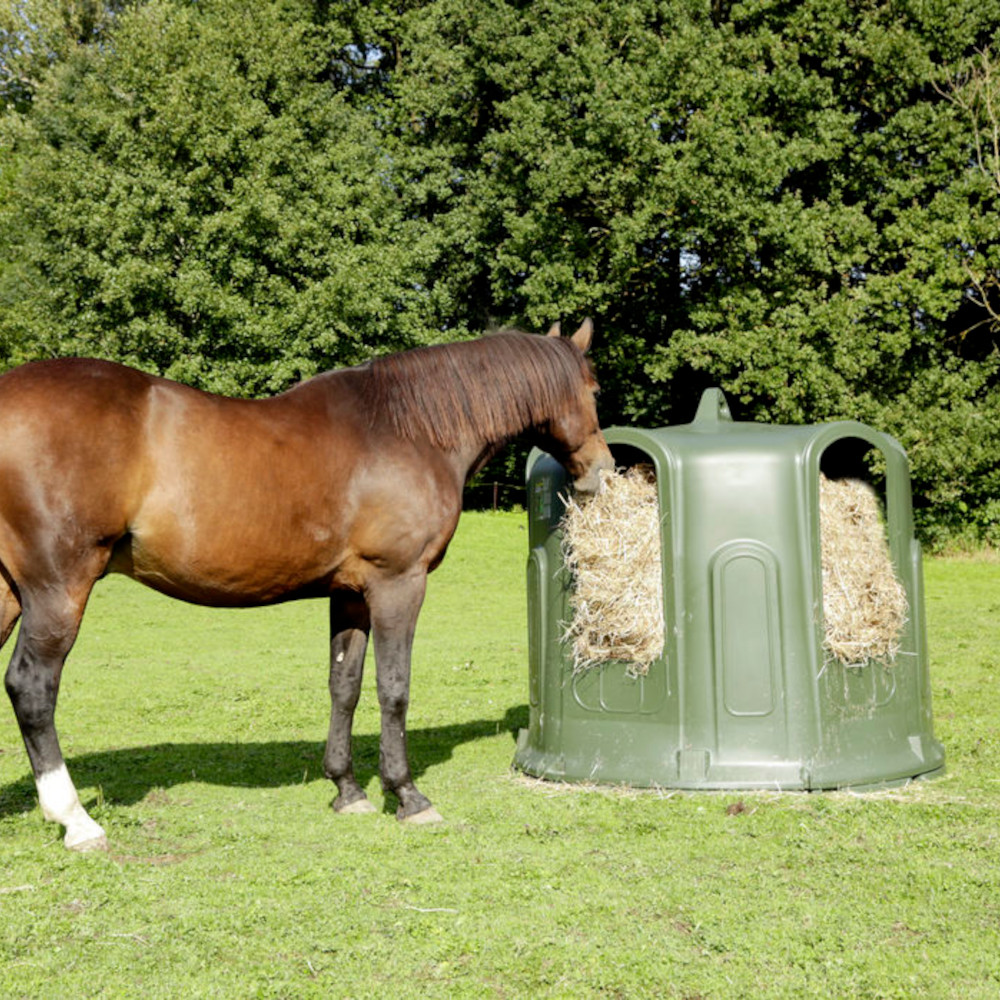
(746, 689)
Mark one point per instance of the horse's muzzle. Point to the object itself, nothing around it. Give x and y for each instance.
(591, 482)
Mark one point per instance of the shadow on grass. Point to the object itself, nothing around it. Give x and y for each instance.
(127, 775)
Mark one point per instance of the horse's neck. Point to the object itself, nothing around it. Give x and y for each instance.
(480, 457)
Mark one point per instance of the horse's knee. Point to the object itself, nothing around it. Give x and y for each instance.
(32, 693)
(394, 704)
(35, 669)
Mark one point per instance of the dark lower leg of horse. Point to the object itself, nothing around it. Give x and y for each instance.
(394, 606)
(348, 641)
(392, 661)
(32, 682)
(414, 806)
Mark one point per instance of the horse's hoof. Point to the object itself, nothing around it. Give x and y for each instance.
(428, 815)
(90, 844)
(355, 808)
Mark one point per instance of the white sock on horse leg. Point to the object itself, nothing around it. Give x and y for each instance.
(60, 804)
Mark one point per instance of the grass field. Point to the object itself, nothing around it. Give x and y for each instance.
(196, 736)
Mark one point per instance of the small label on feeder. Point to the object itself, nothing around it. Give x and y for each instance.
(542, 501)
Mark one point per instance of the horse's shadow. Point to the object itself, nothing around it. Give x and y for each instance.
(125, 776)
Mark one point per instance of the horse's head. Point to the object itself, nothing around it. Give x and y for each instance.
(574, 436)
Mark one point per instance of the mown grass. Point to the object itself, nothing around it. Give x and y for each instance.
(196, 738)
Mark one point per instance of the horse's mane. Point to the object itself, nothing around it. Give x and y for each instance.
(492, 388)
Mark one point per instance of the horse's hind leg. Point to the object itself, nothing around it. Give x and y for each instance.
(349, 627)
(10, 610)
(48, 629)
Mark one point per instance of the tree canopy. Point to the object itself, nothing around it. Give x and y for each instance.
(797, 202)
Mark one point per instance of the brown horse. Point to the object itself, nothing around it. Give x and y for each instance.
(347, 486)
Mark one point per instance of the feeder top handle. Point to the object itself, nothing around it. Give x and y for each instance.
(713, 409)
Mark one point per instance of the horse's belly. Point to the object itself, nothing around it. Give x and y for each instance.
(223, 575)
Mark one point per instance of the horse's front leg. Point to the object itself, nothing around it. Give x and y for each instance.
(394, 607)
(349, 625)
(49, 626)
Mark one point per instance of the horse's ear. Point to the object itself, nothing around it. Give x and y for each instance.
(584, 335)
(555, 330)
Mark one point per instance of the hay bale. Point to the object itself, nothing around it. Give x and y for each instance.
(864, 604)
(611, 544)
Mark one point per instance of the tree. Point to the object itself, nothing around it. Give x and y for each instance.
(769, 197)
(797, 202)
(207, 203)
(35, 34)
(848, 294)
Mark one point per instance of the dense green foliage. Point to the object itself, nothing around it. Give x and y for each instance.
(195, 737)
(201, 201)
(798, 202)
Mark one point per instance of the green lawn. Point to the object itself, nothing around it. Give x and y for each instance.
(195, 738)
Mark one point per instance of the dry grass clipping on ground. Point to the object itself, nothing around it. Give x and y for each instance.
(611, 544)
(864, 604)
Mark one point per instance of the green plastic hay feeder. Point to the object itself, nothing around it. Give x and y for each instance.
(743, 695)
